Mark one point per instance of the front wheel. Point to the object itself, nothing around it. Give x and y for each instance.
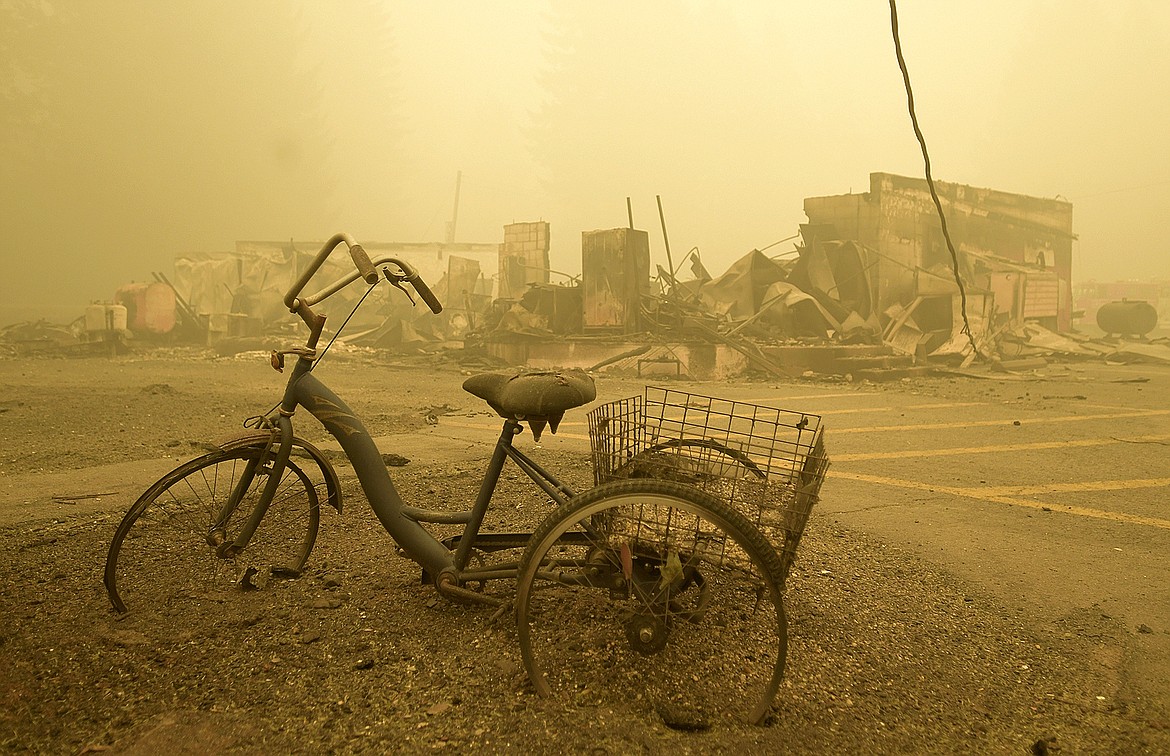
(169, 548)
(654, 594)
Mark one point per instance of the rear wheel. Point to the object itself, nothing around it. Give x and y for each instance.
(658, 595)
(168, 550)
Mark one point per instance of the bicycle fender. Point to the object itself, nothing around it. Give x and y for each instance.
(301, 447)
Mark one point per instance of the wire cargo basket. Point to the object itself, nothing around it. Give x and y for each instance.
(767, 463)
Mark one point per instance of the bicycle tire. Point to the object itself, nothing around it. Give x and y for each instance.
(163, 554)
(706, 457)
(705, 464)
(653, 593)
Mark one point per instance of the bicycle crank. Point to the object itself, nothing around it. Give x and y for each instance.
(448, 587)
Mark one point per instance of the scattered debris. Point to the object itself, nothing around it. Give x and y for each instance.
(1130, 353)
(325, 603)
(1158, 441)
(66, 499)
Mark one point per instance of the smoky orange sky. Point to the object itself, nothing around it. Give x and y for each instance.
(135, 131)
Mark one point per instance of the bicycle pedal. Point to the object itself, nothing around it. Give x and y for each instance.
(505, 608)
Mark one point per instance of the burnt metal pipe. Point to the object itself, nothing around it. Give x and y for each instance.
(666, 241)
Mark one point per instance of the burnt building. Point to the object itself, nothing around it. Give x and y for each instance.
(1014, 249)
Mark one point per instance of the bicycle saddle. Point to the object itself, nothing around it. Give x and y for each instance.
(539, 398)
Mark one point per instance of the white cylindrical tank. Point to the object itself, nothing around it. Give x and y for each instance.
(116, 317)
(95, 317)
(104, 316)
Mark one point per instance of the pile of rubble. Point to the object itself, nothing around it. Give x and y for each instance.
(814, 310)
(828, 306)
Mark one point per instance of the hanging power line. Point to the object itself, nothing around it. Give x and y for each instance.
(929, 179)
(1080, 197)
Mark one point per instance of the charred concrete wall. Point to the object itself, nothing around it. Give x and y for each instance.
(615, 272)
(897, 218)
(523, 258)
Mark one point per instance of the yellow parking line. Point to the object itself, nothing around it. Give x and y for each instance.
(990, 423)
(1106, 406)
(852, 411)
(1092, 485)
(768, 399)
(994, 495)
(943, 405)
(954, 452)
(855, 410)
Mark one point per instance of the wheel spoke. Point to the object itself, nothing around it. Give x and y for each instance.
(660, 608)
(164, 551)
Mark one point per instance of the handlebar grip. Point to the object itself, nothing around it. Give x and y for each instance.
(364, 266)
(425, 292)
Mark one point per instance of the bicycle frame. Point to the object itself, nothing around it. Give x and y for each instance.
(401, 521)
(446, 561)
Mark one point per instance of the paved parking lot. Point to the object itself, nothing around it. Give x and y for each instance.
(1050, 491)
(1054, 494)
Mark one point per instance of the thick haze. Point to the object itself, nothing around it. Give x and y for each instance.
(136, 131)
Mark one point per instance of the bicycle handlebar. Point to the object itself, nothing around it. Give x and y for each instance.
(425, 292)
(365, 268)
(291, 296)
(362, 262)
